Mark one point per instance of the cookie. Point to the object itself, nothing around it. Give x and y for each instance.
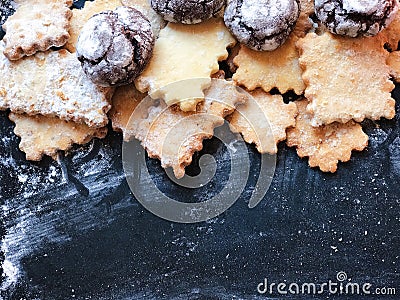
(42, 135)
(52, 83)
(262, 25)
(346, 78)
(187, 12)
(81, 16)
(275, 69)
(172, 135)
(37, 25)
(325, 146)
(200, 48)
(356, 17)
(7, 8)
(114, 47)
(265, 135)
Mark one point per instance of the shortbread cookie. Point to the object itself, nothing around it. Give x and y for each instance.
(356, 17)
(7, 8)
(37, 25)
(125, 100)
(185, 52)
(261, 25)
(115, 46)
(81, 16)
(393, 62)
(346, 78)
(52, 84)
(265, 132)
(326, 145)
(173, 136)
(47, 135)
(275, 69)
(156, 21)
(187, 12)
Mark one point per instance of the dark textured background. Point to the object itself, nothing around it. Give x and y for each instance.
(88, 238)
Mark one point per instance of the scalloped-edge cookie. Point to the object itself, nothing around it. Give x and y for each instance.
(47, 135)
(185, 52)
(36, 25)
(265, 132)
(346, 78)
(325, 146)
(173, 136)
(52, 83)
(275, 69)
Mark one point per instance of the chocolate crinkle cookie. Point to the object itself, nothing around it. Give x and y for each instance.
(114, 47)
(262, 24)
(187, 11)
(356, 17)
(7, 8)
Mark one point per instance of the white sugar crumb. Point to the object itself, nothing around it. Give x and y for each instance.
(269, 15)
(23, 178)
(362, 6)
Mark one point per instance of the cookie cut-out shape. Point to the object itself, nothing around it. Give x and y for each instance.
(267, 70)
(276, 69)
(37, 25)
(81, 16)
(47, 135)
(325, 146)
(266, 132)
(185, 52)
(173, 136)
(346, 78)
(52, 84)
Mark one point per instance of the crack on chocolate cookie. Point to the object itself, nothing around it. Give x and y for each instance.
(338, 20)
(266, 34)
(187, 12)
(122, 53)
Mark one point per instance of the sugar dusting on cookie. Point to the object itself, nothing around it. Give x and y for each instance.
(356, 17)
(261, 25)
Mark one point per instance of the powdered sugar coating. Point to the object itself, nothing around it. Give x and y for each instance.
(187, 12)
(115, 46)
(356, 17)
(262, 24)
(52, 83)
